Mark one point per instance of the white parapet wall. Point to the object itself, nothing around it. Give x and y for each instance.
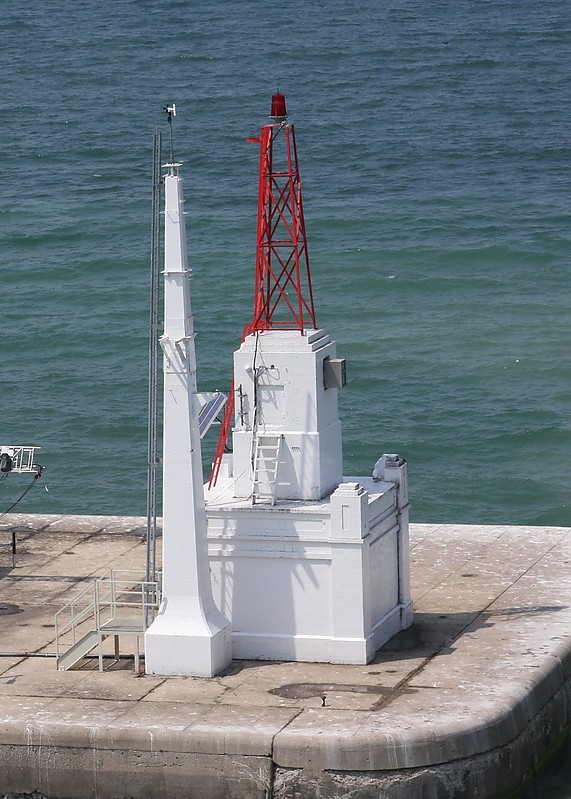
(323, 581)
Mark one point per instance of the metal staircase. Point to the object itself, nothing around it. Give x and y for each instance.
(266, 461)
(118, 604)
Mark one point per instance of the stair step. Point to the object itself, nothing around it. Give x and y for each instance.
(78, 650)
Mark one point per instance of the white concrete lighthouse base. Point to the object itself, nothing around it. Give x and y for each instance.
(321, 581)
(186, 643)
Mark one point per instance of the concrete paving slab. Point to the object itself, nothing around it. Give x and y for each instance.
(481, 676)
(244, 697)
(117, 683)
(33, 677)
(35, 552)
(30, 630)
(187, 690)
(225, 729)
(7, 663)
(152, 726)
(19, 589)
(421, 531)
(317, 739)
(70, 722)
(464, 590)
(267, 675)
(80, 524)
(43, 553)
(35, 522)
(438, 556)
(105, 553)
(21, 708)
(151, 715)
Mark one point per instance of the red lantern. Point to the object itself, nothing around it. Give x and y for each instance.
(278, 106)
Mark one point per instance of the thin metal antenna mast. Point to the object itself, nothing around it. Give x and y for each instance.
(154, 332)
(171, 112)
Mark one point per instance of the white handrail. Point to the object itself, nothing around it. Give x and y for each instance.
(101, 600)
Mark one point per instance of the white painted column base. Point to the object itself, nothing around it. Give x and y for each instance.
(183, 641)
(322, 649)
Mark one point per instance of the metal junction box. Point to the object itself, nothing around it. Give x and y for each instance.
(334, 372)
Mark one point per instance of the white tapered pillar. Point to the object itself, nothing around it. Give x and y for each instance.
(189, 636)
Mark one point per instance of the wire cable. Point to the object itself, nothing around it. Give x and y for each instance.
(37, 475)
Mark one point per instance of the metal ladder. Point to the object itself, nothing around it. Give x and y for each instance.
(266, 461)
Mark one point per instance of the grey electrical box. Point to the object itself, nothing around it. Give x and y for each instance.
(334, 372)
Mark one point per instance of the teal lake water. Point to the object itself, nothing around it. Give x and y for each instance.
(434, 143)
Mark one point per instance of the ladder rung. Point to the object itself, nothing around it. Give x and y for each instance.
(266, 461)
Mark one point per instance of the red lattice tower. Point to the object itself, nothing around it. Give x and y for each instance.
(283, 295)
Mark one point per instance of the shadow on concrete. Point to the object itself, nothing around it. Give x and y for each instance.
(430, 634)
(436, 633)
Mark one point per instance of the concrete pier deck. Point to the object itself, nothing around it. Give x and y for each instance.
(467, 703)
